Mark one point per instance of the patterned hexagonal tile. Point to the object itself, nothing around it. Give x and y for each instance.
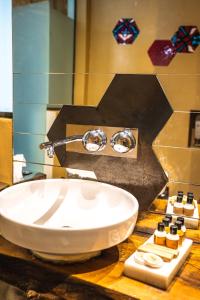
(161, 52)
(186, 39)
(125, 31)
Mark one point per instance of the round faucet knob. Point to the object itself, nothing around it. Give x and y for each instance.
(123, 141)
(94, 140)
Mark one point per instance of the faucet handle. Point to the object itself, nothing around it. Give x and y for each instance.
(123, 141)
(94, 140)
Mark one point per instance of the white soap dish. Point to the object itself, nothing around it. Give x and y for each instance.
(159, 277)
(190, 222)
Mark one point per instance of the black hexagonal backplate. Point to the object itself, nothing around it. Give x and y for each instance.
(133, 101)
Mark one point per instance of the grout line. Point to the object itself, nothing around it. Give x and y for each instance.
(29, 133)
(187, 111)
(102, 73)
(176, 147)
(182, 182)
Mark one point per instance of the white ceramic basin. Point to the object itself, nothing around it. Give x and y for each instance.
(66, 216)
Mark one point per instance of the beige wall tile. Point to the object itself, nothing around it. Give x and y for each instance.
(175, 132)
(50, 118)
(182, 91)
(90, 88)
(181, 164)
(59, 172)
(97, 86)
(6, 150)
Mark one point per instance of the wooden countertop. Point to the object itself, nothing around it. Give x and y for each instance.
(3, 185)
(99, 278)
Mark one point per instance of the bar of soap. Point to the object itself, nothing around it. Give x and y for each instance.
(175, 252)
(152, 260)
(166, 256)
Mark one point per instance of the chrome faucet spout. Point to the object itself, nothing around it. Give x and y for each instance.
(93, 140)
(50, 146)
(67, 140)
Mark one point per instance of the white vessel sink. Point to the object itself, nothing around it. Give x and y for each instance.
(66, 216)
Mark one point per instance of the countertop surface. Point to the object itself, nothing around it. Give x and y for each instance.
(99, 278)
(3, 185)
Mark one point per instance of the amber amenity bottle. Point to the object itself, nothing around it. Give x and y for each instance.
(167, 222)
(168, 216)
(178, 206)
(160, 234)
(172, 238)
(188, 208)
(183, 228)
(179, 232)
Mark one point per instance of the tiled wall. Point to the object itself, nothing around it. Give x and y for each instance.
(6, 150)
(99, 58)
(156, 19)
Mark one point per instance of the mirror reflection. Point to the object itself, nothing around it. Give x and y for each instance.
(63, 55)
(178, 200)
(43, 50)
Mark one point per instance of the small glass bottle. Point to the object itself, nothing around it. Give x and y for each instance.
(166, 221)
(189, 207)
(160, 234)
(172, 238)
(183, 228)
(179, 232)
(178, 206)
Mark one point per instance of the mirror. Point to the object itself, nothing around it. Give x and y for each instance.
(51, 48)
(64, 52)
(43, 52)
(43, 67)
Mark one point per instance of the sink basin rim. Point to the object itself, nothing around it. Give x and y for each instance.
(68, 229)
(59, 240)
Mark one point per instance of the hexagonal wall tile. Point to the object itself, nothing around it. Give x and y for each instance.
(125, 31)
(126, 103)
(186, 39)
(161, 52)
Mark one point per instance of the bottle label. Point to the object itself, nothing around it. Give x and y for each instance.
(159, 240)
(173, 244)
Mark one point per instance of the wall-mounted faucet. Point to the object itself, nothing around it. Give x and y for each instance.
(92, 140)
(122, 141)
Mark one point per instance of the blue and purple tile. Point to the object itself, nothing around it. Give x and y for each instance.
(126, 31)
(186, 39)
